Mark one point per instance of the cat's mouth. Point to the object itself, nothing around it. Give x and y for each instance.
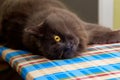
(61, 53)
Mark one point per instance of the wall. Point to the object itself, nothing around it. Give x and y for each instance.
(106, 13)
(86, 9)
(117, 14)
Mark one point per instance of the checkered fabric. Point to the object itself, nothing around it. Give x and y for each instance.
(99, 62)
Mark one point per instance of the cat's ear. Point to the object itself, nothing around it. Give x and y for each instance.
(36, 30)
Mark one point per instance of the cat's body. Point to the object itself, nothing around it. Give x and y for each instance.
(47, 27)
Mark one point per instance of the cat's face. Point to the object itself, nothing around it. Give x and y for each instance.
(58, 46)
(55, 45)
(56, 39)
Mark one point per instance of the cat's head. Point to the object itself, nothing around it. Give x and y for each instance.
(57, 37)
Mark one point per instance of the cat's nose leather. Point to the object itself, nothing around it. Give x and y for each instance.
(68, 49)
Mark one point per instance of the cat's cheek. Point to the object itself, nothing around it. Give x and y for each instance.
(79, 51)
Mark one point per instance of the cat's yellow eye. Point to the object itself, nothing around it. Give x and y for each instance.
(57, 38)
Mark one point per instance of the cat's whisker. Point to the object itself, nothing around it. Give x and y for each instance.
(61, 54)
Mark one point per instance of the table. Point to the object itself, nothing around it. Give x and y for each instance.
(99, 62)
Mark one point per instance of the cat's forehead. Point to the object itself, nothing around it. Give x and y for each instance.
(61, 24)
(60, 29)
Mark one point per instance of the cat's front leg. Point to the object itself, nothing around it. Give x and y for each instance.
(107, 37)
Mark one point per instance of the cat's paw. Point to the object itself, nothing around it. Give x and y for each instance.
(114, 37)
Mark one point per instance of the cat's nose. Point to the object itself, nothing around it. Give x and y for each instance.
(68, 48)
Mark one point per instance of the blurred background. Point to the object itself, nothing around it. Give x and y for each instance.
(103, 12)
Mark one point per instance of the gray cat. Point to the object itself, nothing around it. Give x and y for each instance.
(48, 28)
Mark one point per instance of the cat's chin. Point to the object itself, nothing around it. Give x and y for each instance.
(57, 58)
(61, 56)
